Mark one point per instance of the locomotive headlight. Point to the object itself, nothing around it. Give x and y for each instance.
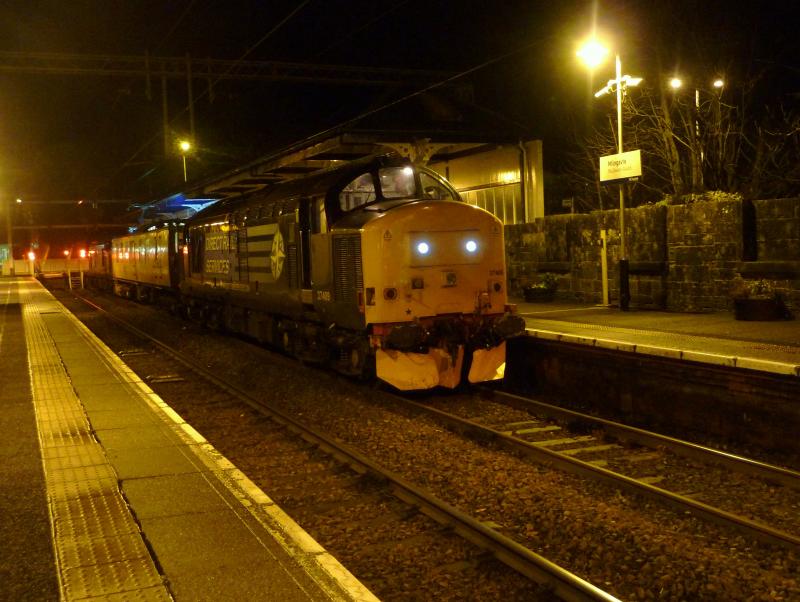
(471, 246)
(423, 248)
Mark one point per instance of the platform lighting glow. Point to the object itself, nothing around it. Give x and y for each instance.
(675, 83)
(82, 253)
(471, 246)
(31, 255)
(718, 83)
(592, 53)
(66, 253)
(423, 248)
(408, 171)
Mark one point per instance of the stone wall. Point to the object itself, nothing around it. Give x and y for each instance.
(704, 250)
(682, 257)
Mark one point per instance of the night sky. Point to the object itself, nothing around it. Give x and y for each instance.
(93, 137)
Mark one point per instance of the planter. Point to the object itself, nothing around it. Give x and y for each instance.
(759, 309)
(538, 295)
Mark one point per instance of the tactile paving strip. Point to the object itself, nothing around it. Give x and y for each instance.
(99, 548)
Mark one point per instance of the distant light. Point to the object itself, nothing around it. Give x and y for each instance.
(31, 255)
(66, 253)
(82, 253)
(185, 145)
(19, 200)
(592, 53)
(471, 246)
(718, 83)
(423, 248)
(675, 83)
(408, 171)
(508, 176)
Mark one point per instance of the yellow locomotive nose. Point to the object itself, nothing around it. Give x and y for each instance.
(444, 265)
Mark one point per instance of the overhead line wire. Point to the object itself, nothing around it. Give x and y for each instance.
(204, 93)
(375, 110)
(433, 86)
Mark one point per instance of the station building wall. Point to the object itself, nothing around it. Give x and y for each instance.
(682, 257)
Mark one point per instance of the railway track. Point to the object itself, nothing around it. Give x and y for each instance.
(362, 488)
(673, 472)
(633, 548)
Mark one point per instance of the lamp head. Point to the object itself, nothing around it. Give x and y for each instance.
(592, 53)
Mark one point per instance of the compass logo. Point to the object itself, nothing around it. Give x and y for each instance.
(277, 255)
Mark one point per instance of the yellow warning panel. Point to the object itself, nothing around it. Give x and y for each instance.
(488, 364)
(407, 371)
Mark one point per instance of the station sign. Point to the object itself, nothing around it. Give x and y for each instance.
(622, 166)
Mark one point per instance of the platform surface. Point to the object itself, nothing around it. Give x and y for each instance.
(107, 494)
(716, 338)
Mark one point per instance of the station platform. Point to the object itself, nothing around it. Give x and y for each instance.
(713, 338)
(107, 494)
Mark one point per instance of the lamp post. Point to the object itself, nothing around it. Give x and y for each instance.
(593, 53)
(185, 147)
(697, 149)
(9, 236)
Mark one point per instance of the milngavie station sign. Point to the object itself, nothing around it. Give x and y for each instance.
(621, 167)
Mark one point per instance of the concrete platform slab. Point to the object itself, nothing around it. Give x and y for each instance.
(135, 437)
(137, 463)
(172, 495)
(226, 569)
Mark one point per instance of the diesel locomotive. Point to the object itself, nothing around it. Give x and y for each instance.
(373, 267)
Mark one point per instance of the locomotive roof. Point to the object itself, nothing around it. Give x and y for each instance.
(318, 183)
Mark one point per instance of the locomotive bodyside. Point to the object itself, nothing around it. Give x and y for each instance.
(373, 267)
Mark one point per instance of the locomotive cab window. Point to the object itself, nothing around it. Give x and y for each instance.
(397, 182)
(435, 189)
(357, 193)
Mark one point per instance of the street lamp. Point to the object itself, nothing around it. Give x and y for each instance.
(592, 54)
(185, 147)
(675, 83)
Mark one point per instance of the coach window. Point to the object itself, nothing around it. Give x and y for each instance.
(357, 193)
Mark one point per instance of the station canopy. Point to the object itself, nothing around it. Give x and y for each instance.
(428, 128)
